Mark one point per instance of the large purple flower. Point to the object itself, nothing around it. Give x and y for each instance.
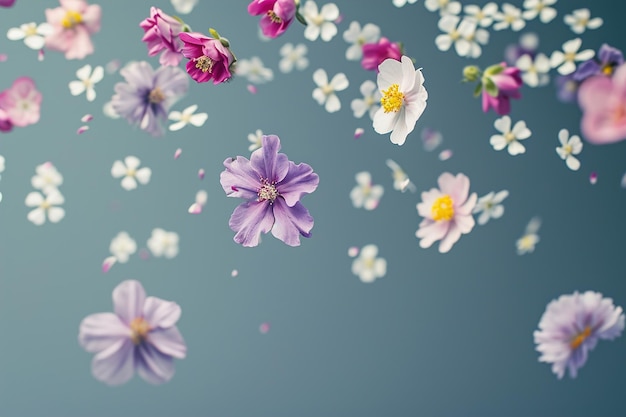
(147, 95)
(273, 186)
(609, 57)
(141, 335)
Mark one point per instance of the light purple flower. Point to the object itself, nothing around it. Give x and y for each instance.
(147, 95)
(571, 327)
(140, 335)
(609, 58)
(273, 186)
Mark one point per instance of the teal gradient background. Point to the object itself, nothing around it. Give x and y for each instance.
(439, 335)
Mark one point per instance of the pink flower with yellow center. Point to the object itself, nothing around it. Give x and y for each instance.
(73, 24)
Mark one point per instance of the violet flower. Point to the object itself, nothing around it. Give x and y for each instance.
(141, 335)
(272, 186)
(375, 53)
(277, 15)
(209, 58)
(609, 59)
(161, 35)
(147, 95)
(567, 88)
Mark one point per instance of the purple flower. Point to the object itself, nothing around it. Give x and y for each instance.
(273, 186)
(278, 15)
(609, 59)
(147, 95)
(208, 57)
(141, 335)
(571, 327)
(161, 34)
(567, 88)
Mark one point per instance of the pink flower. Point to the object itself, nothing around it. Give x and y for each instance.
(6, 3)
(73, 24)
(5, 122)
(161, 34)
(278, 15)
(208, 57)
(447, 212)
(20, 103)
(375, 53)
(603, 102)
(507, 81)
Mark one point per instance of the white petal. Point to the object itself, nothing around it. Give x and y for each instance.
(332, 103)
(56, 214)
(498, 142)
(443, 42)
(84, 72)
(35, 42)
(339, 82)
(37, 216)
(33, 199)
(503, 124)
(198, 119)
(328, 31)
(129, 183)
(132, 162)
(91, 94)
(595, 23)
(320, 78)
(97, 74)
(15, 34)
(175, 115)
(319, 96)
(143, 175)
(118, 170)
(76, 87)
(572, 163)
(516, 148)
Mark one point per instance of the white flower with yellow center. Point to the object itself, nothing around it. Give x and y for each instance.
(483, 17)
(490, 206)
(163, 243)
(370, 103)
(444, 6)
(187, 116)
(539, 8)
(47, 178)
(400, 3)
(325, 91)
(534, 71)
(358, 37)
(570, 146)
(293, 56)
(129, 170)
(403, 98)
(255, 139)
(34, 35)
(86, 81)
(254, 70)
(45, 205)
(320, 23)
(509, 17)
(580, 20)
(122, 246)
(366, 195)
(367, 266)
(509, 138)
(526, 243)
(566, 60)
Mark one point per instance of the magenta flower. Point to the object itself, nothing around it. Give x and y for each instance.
(140, 335)
(73, 24)
(507, 82)
(273, 186)
(20, 103)
(5, 122)
(603, 102)
(6, 3)
(375, 53)
(278, 15)
(447, 212)
(208, 58)
(161, 35)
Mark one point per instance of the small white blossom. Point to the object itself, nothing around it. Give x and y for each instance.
(510, 16)
(483, 17)
(255, 140)
(489, 206)
(47, 178)
(367, 266)
(325, 91)
(570, 146)
(34, 35)
(539, 8)
(184, 6)
(86, 81)
(45, 205)
(132, 175)
(163, 243)
(370, 101)
(320, 23)
(293, 57)
(526, 243)
(254, 71)
(401, 181)
(444, 6)
(580, 20)
(365, 194)
(534, 72)
(463, 34)
(358, 37)
(510, 137)
(122, 247)
(566, 60)
(400, 3)
(188, 116)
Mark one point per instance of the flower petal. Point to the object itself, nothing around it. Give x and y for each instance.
(161, 313)
(168, 341)
(114, 365)
(300, 180)
(249, 220)
(98, 332)
(291, 222)
(153, 366)
(128, 300)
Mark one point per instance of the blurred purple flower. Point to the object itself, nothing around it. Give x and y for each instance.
(273, 186)
(567, 88)
(527, 45)
(161, 34)
(609, 59)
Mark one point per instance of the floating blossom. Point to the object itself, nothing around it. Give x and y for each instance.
(401, 3)
(47, 178)
(463, 34)
(566, 60)
(353, 251)
(370, 101)
(209, 58)
(509, 138)
(534, 71)
(567, 88)
(526, 243)
(147, 95)
(365, 194)
(401, 181)
(580, 20)
(141, 335)
(184, 6)
(255, 139)
(254, 71)
(358, 37)
(403, 99)
(483, 17)
(129, 170)
(177, 153)
(122, 247)
(368, 267)
(163, 243)
(320, 23)
(325, 91)
(570, 146)
(187, 116)
(33, 35)
(509, 17)
(498, 84)
(539, 8)
(375, 54)
(82, 130)
(447, 212)
(490, 206)
(45, 205)
(21, 102)
(277, 15)
(609, 58)
(293, 57)
(161, 36)
(264, 328)
(108, 263)
(445, 7)
(201, 174)
(431, 139)
(200, 202)
(73, 24)
(86, 81)
(571, 327)
(273, 187)
(86, 118)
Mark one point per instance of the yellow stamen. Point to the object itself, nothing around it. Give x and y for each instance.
(31, 30)
(71, 19)
(443, 208)
(570, 56)
(139, 330)
(580, 338)
(607, 69)
(268, 191)
(509, 137)
(156, 96)
(204, 63)
(392, 99)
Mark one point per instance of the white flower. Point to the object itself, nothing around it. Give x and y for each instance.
(400, 3)
(444, 6)
(370, 101)
(510, 137)
(401, 181)
(86, 81)
(511, 17)
(109, 111)
(184, 6)
(34, 35)
(122, 246)
(255, 140)
(565, 61)
(201, 199)
(47, 178)
(254, 70)
(358, 37)
(489, 206)
(293, 57)
(466, 37)
(539, 8)
(325, 91)
(570, 146)
(128, 170)
(45, 205)
(534, 72)
(367, 266)
(2, 162)
(365, 194)
(188, 116)
(580, 20)
(320, 24)
(526, 243)
(483, 17)
(163, 243)
(403, 98)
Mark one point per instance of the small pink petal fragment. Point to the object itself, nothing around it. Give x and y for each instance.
(3, 57)
(113, 66)
(40, 55)
(144, 254)
(234, 273)
(252, 89)
(339, 19)
(353, 251)
(82, 129)
(195, 208)
(108, 263)
(177, 153)
(358, 132)
(593, 178)
(202, 197)
(445, 154)
(201, 173)
(431, 139)
(264, 328)
(86, 118)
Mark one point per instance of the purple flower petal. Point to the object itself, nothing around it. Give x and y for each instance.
(153, 366)
(114, 365)
(240, 179)
(266, 160)
(161, 313)
(128, 300)
(251, 219)
(169, 342)
(100, 331)
(291, 222)
(300, 180)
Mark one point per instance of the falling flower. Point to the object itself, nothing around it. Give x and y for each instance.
(534, 72)
(368, 267)
(376, 53)
(293, 57)
(132, 175)
(447, 212)
(86, 81)
(45, 205)
(33, 35)
(498, 84)
(370, 101)
(277, 15)
(254, 71)
(539, 8)
(509, 17)
(82, 130)
(463, 34)
(234, 273)
(201, 199)
(140, 335)
(201, 174)
(400, 3)
(365, 194)
(47, 178)
(571, 327)
(184, 6)
(264, 328)
(163, 243)
(320, 24)
(358, 37)
(358, 132)
(122, 247)
(187, 116)
(177, 153)
(445, 7)
(566, 60)
(353, 251)
(580, 20)
(325, 91)
(108, 263)
(86, 118)
(161, 36)
(445, 154)
(431, 139)
(255, 139)
(272, 186)
(147, 95)
(609, 57)
(73, 24)
(403, 99)
(209, 58)
(570, 146)
(483, 17)
(509, 138)
(252, 88)
(21, 102)
(490, 206)
(526, 243)
(401, 181)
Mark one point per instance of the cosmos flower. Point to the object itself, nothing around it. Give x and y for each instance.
(209, 58)
(86, 81)
(273, 187)
(254, 70)
(320, 23)
(324, 94)
(367, 266)
(570, 146)
(73, 24)
(122, 246)
(34, 35)
(366, 194)
(45, 205)
(163, 243)
(609, 58)
(566, 60)
(293, 57)
(21, 102)
(141, 335)
(161, 36)
(447, 212)
(403, 99)
(580, 20)
(147, 95)
(277, 15)
(530, 238)
(571, 327)
(509, 138)
(358, 37)
(376, 53)
(490, 206)
(370, 101)
(131, 173)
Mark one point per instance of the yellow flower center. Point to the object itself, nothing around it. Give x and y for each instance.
(273, 17)
(139, 329)
(328, 89)
(131, 172)
(443, 208)
(45, 205)
(527, 242)
(454, 35)
(580, 338)
(31, 30)
(71, 19)
(204, 63)
(156, 96)
(570, 56)
(607, 69)
(509, 137)
(318, 20)
(509, 18)
(392, 99)
(540, 7)
(567, 149)
(369, 263)
(268, 191)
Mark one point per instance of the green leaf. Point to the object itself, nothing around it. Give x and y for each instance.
(301, 19)
(490, 88)
(478, 89)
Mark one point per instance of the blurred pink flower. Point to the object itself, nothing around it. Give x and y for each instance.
(208, 57)
(20, 103)
(5, 122)
(277, 15)
(73, 24)
(161, 34)
(508, 83)
(6, 3)
(375, 53)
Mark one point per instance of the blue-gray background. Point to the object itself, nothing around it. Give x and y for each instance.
(440, 335)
